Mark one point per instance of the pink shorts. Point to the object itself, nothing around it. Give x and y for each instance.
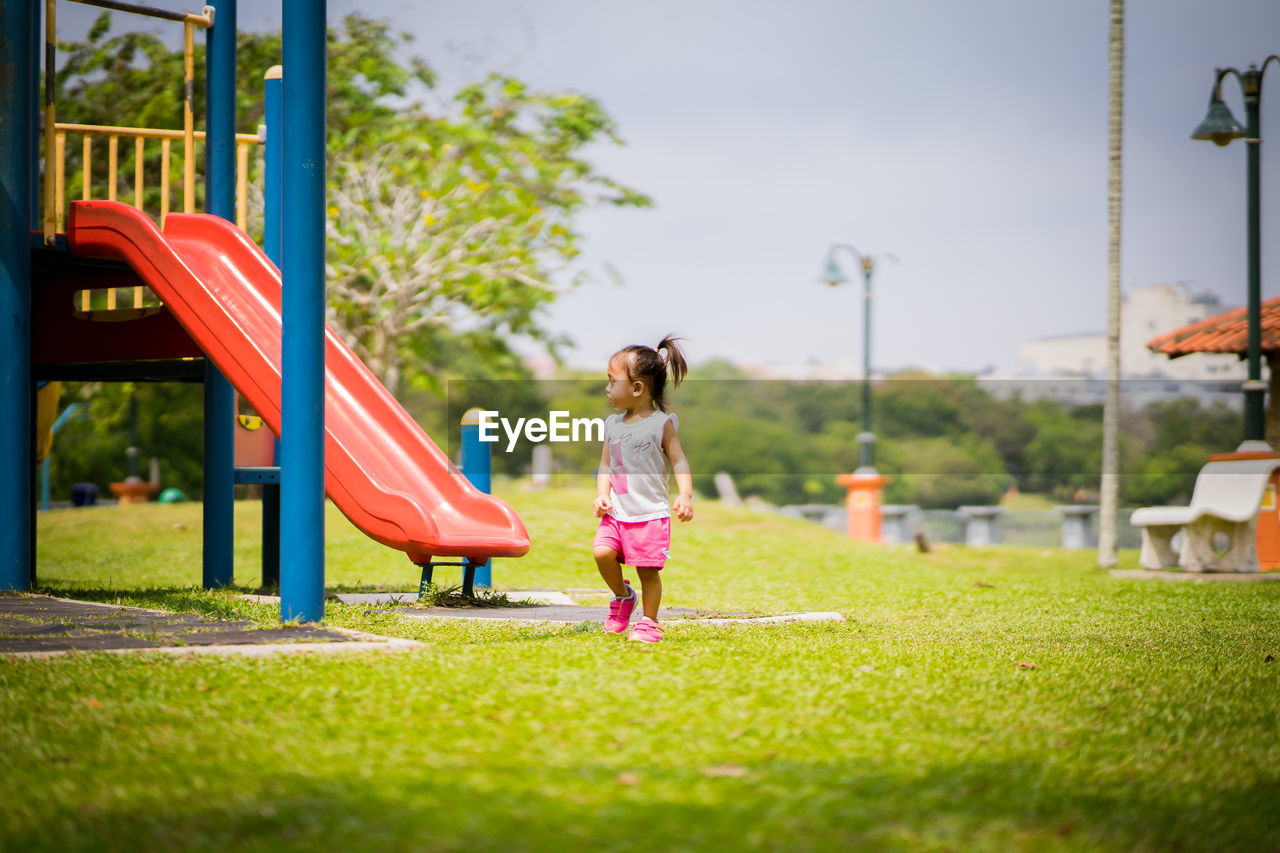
(646, 544)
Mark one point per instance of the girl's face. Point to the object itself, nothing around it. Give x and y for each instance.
(620, 389)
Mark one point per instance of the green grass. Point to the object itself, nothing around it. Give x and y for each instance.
(1002, 698)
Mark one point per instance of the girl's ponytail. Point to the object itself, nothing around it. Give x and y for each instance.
(674, 359)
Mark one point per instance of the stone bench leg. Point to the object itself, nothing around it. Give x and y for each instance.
(1198, 554)
(1157, 546)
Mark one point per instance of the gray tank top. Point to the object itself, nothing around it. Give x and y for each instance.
(638, 469)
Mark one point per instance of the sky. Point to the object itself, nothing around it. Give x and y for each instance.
(966, 141)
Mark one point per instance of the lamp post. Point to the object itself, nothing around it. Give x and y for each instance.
(1220, 127)
(834, 276)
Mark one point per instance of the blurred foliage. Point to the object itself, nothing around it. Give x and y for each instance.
(782, 441)
(90, 446)
(943, 473)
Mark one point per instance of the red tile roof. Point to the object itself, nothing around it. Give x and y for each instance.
(1227, 332)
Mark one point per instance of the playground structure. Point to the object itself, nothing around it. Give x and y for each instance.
(207, 304)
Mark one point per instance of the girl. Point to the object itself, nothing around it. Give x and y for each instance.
(631, 486)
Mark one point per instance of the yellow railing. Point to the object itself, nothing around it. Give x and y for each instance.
(140, 137)
(93, 300)
(55, 135)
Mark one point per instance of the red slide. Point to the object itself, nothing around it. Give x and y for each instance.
(381, 469)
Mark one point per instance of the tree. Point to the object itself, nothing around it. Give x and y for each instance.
(1115, 189)
(1007, 425)
(765, 457)
(1166, 477)
(1064, 456)
(1166, 453)
(919, 405)
(937, 473)
(462, 221)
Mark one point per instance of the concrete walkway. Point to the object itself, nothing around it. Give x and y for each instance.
(1196, 577)
(579, 613)
(40, 625)
(555, 606)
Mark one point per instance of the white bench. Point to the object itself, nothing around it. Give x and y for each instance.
(1226, 500)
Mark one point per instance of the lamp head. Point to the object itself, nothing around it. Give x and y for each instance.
(832, 274)
(1219, 125)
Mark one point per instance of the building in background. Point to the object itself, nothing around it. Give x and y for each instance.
(1072, 368)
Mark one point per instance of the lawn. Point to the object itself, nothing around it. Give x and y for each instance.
(1001, 698)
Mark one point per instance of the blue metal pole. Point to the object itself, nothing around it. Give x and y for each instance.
(272, 205)
(303, 244)
(17, 66)
(219, 398)
(477, 467)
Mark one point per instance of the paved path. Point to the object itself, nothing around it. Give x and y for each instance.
(40, 625)
(34, 625)
(576, 613)
(553, 606)
(1196, 577)
(536, 613)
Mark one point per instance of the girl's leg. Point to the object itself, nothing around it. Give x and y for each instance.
(610, 569)
(650, 590)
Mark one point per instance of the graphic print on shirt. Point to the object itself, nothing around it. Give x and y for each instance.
(637, 466)
(617, 469)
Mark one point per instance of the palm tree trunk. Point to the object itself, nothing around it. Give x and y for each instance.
(1115, 193)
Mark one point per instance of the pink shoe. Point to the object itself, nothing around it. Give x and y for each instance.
(646, 631)
(620, 610)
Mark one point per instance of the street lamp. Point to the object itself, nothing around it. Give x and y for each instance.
(1220, 127)
(834, 276)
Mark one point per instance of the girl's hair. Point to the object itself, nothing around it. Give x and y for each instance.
(648, 365)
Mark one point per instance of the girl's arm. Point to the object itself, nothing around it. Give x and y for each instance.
(601, 505)
(683, 506)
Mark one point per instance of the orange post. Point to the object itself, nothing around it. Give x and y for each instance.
(865, 491)
(1268, 532)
